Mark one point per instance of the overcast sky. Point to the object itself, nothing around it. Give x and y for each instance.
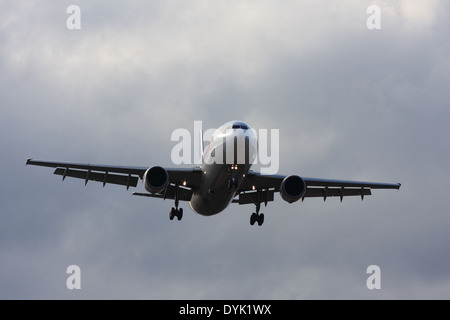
(350, 103)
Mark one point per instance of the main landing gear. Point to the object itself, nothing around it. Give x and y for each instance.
(175, 212)
(256, 216)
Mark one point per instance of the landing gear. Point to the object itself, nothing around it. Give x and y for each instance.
(175, 212)
(256, 216)
(233, 182)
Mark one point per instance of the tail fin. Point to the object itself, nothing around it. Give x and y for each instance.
(201, 147)
(198, 145)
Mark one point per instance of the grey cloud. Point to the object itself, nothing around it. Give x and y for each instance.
(350, 103)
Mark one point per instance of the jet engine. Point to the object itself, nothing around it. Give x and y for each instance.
(292, 188)
(155, 179)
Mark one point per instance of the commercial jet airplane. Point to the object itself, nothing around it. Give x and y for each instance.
(213, 185)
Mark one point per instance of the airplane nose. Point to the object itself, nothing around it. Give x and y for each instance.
(240, 147)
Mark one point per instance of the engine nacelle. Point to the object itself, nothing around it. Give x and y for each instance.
(292, 188)
(155, 179)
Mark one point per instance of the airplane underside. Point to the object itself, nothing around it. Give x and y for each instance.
(223, 182)
(212, 207)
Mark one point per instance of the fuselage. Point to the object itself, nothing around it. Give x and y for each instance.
(226, 162)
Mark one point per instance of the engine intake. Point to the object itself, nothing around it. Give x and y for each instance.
(155, 179)
(292, 188)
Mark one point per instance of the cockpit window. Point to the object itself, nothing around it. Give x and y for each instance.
(242, 126)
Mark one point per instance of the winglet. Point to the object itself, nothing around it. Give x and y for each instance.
(28, 161)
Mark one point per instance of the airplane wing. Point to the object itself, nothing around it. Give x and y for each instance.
(189, 178)
(269, 184)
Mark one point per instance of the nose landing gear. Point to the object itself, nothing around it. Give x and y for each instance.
(233, 182)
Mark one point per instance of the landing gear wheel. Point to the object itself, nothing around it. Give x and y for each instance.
(261, 219)
(172, 213)
(253, 218)
(180, 214)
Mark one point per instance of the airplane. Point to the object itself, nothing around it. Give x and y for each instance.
(219, 180)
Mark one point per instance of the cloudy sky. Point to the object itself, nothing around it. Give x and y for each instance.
(350, 103)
